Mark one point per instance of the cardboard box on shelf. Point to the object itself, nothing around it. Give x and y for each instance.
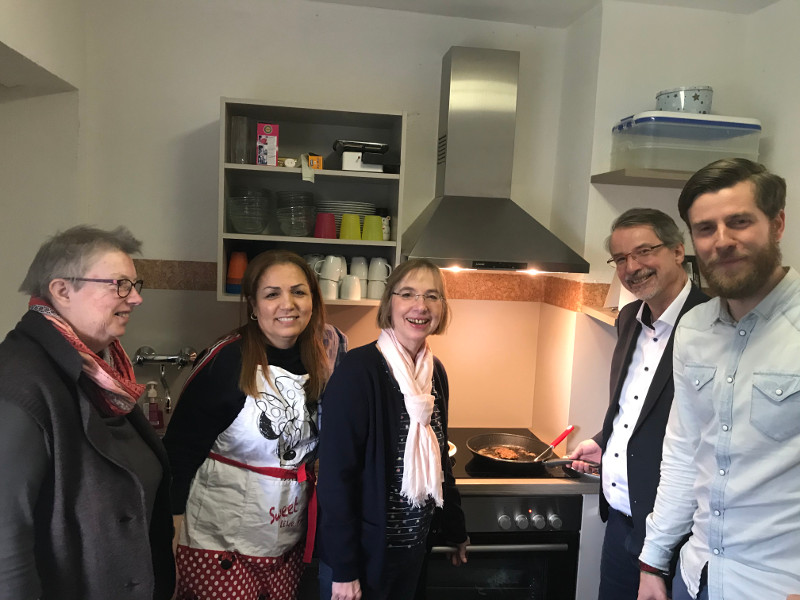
(315, 161)
(267, 144)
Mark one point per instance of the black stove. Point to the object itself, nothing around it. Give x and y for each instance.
(468, 466)
(523, 525)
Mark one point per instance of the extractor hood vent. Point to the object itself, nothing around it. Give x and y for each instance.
(472, 222)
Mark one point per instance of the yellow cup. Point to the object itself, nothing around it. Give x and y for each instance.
(373, 229)
(350, 229)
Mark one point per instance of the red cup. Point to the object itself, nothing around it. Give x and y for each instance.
(325, 226)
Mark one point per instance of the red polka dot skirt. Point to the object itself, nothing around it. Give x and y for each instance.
(218, 575)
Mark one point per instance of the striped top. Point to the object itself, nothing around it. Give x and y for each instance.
(406, 525)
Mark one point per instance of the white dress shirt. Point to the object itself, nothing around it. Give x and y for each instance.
(649, 349)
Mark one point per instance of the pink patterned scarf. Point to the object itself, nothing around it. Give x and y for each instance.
(422, 460)
(118, 388)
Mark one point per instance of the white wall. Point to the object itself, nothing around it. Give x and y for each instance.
(157, 71)
(576, 130)
(38, 166)
(771, 89)
(48, 32)
(645, 49)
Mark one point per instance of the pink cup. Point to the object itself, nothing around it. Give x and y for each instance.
(325, 226)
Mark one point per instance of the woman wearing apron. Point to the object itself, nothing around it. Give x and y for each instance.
(243, 440)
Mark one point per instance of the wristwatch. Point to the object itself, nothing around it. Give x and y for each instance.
(645, 568)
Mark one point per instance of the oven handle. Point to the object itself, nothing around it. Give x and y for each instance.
(503, 548)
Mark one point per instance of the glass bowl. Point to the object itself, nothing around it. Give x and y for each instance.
(248, 214)
(297, 220)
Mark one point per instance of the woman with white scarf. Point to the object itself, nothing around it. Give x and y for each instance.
(384, 467)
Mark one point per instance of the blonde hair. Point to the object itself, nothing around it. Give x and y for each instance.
(384, 318)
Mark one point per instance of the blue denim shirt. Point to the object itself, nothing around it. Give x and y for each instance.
(731, 461)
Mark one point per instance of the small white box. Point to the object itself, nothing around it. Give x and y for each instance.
(351, 161)
(678, 141)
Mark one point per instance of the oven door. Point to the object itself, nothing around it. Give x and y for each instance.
(508, 566)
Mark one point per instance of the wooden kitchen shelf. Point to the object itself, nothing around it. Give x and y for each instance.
(337, 302)
(604, 315)
(295, 171)
(304, 130)
(644, 178)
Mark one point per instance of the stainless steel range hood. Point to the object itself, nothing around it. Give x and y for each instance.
(472, 222)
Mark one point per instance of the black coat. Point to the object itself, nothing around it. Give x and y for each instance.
(644, 447)
(88, 519)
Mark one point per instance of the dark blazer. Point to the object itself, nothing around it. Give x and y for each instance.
(644, 447)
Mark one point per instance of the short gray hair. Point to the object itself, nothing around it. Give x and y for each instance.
(663, 225)
(69, 254)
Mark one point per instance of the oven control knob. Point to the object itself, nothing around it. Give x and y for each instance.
(504, 521)
(555, 521)
(538, 521)
(522, 521)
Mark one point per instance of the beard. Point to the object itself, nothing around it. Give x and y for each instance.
(750, 279)
(645, 292)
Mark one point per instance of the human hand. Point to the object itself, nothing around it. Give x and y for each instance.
(459, 557)
(586, 450)
(346, 590)
(652, 587)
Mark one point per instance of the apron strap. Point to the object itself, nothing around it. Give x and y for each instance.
(304, 473)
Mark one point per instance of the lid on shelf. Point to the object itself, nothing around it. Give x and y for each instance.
(682, 118)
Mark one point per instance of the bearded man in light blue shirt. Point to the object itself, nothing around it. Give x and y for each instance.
(731, 458)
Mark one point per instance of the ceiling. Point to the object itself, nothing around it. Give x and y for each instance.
(542, 13)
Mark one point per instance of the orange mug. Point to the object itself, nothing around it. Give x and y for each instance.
(236, 267)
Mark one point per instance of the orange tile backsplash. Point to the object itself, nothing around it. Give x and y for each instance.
(466, 285)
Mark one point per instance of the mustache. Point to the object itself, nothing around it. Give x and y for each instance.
(639, 274)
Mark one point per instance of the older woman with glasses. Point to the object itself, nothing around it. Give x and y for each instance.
(84, 505)
(384, 466)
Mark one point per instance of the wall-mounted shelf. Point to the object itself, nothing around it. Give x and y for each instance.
(336, 302)
(604, 315)
(644, 178)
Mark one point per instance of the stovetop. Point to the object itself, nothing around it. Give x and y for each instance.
(467, 466)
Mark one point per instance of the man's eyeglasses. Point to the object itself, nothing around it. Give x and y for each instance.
(124, 286)
(639, 254)
(428, 298)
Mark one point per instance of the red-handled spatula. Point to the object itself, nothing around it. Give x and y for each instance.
(555, 443)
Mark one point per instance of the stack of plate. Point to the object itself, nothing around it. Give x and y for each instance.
(339, 207)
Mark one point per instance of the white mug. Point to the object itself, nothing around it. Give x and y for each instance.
(350, 288)
(329, 268)
(358, 267)
(375, 289)
(379, 269)
(342, 260)
(363, 281)
(329, 289)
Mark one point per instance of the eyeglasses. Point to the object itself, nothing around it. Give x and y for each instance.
(428, 298)
(644, 252)
(124, 286)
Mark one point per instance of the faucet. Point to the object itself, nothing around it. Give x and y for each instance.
(185, 356)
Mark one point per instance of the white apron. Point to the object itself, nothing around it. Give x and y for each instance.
(232, 508)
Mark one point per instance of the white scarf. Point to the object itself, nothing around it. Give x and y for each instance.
(422, 459)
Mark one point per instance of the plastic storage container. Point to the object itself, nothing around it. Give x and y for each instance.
(677, 141)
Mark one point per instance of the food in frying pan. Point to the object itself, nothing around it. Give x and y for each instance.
(507, 452)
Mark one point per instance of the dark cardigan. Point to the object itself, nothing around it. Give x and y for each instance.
(88, 520)
(361, 410)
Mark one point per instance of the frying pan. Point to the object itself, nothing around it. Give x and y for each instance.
(486, 440)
